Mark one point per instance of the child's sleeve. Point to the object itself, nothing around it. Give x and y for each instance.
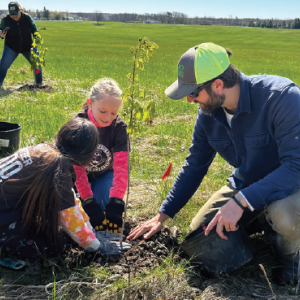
(82, 183)
(120, 175)
(83, 213)
(76, 223)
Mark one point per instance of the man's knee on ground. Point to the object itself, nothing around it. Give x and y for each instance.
(283, 218)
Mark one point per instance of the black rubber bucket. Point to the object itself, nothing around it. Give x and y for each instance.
(216, 256)
(9, 138)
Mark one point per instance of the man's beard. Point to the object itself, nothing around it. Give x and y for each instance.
(214, 102)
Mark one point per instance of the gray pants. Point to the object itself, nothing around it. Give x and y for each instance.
(283, 216)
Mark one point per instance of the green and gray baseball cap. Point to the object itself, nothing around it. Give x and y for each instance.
(13, 9)
(198, 65)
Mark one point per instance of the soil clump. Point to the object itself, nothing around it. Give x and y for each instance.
(35, 87)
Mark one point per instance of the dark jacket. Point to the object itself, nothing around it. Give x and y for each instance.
(112, 139)
(21, 166)
(19, 36)
(263, 143)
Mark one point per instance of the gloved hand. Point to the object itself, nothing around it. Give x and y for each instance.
(96, 214)
(113, 248)
(113, 213)
(107, 236)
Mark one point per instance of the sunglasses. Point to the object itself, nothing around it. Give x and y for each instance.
(196, 92)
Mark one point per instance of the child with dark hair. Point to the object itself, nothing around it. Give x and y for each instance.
(37, 199)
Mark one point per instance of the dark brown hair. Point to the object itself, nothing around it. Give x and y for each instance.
(74, 144)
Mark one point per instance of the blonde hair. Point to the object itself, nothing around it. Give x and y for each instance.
(104, 86)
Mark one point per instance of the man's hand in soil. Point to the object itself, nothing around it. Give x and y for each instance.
(227, 218)
(96, 214)
(107, 236)
(113, 213)
(113, 248)
(151, 226)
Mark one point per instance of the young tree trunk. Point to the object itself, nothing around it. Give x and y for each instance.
(128, 181)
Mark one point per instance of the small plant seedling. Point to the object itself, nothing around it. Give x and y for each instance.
(38, 53)
(138, 107)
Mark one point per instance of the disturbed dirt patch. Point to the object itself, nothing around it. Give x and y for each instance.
(146, 254)
(247, 283)
(35, 87)
(143, 256)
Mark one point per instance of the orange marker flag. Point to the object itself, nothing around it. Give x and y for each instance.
(167, 173)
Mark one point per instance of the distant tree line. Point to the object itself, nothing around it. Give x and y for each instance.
(180, 18)
(293, 24)
(164, 18)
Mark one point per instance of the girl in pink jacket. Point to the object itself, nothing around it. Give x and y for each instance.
(104, 180)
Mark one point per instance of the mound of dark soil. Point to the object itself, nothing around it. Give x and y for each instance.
(144, 255)
(35, 87)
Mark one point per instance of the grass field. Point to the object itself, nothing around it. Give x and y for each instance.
(79, 53)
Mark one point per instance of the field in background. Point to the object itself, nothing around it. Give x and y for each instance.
(79, 53)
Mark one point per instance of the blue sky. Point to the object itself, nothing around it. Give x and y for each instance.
(281, 9)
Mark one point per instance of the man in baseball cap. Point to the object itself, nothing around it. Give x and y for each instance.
(198, 65)
(253, 122)
(198, 68)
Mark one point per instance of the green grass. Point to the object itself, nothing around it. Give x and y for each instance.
(83, 52)
(86, 52)
(79, 53)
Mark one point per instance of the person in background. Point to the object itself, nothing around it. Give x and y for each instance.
(253, 122)
(17, 29)
(37, 200)
(104, 179)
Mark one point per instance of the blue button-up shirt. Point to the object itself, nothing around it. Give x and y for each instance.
(263, 143)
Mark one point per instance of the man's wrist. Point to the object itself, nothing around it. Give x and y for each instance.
(241, 199)
(161, 217)
(240, 194)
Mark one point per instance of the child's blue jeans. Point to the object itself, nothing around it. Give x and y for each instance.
(101, 187)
